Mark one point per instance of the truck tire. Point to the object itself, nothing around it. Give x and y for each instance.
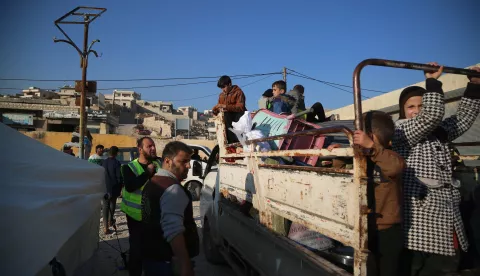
(195, 188)
(210, 249)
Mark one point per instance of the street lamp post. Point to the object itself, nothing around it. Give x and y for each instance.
(88, 15)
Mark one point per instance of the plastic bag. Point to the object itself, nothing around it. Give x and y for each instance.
(243, 131)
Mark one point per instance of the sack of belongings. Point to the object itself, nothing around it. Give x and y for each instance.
(310, 239)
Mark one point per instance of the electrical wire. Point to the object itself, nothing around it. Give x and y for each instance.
(143, 79)
(166, 85)
(216, 94)
(337, 84)
(331, 85)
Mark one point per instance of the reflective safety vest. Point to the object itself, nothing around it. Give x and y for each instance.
(132, 202)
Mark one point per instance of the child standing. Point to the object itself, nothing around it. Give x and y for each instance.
(385, 235)
(433, 227)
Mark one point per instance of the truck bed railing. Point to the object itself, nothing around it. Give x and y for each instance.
(357, 92)
(345, 196)
(306, 168)
(310, 132)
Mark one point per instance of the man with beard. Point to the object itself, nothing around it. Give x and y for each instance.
(232, 102)
(168, 226)
(136, 174)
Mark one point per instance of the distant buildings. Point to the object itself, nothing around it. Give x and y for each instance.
(49, 110)
(35, 92)
(39, 109)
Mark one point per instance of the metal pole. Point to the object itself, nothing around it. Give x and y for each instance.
(87, 17)
(84, 58)
(357, 97)
(285, 77)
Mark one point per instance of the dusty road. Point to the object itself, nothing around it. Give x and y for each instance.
(107, 260)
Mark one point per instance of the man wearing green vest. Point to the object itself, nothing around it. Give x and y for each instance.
(136, 174)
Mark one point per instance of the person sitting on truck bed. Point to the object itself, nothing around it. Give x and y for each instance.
(232, 102)
(280, 103)
(385, 241)
(433, 228)
(263, 101)
(318, 114)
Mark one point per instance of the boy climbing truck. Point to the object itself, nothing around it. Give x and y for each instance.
(283, 205)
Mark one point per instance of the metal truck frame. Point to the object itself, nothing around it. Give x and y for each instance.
(331, 201)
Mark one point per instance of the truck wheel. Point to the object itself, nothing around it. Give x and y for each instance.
(195, 189)
(211, 250)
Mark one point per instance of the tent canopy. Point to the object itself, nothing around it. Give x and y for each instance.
(47, 196)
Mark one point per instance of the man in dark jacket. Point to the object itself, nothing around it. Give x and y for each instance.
(167, 216)
(113, 182)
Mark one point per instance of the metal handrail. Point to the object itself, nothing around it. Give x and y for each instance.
(310, 132)
(357, 97)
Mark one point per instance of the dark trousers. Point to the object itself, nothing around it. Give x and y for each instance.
(135, 240)
(318, 112)
(386, 247)
(108, 211)
(426, 264)
(155, 268)
(229, 118)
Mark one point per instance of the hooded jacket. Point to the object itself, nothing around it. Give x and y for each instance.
(299, 104)
(233, 100)
(431, 201)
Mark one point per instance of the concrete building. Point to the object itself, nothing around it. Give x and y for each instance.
(127, 101)
(35, 92)
(187, 111)
(60, 115)
(123, 95)
(68, 91)
(155, 107)
(161, 127)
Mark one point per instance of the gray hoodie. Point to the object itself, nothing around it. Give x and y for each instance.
(172, 204)
(299, 101)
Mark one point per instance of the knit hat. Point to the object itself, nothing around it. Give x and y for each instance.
(268, 93)
(406, 94)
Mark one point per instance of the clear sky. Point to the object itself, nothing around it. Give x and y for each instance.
(161, 39)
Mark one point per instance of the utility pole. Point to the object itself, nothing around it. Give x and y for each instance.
(88, 14)
(285, 77)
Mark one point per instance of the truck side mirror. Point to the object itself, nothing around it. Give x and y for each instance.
(197, 169)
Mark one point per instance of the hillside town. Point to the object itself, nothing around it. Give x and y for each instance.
(189, 164)
(122, 112)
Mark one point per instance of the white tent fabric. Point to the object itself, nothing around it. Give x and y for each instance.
(49, 206)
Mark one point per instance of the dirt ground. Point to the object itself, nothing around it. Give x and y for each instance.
(107, 260)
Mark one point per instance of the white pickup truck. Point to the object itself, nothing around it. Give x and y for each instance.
(193, 182)
(247, 203)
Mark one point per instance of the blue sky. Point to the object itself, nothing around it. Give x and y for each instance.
(161, 39)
